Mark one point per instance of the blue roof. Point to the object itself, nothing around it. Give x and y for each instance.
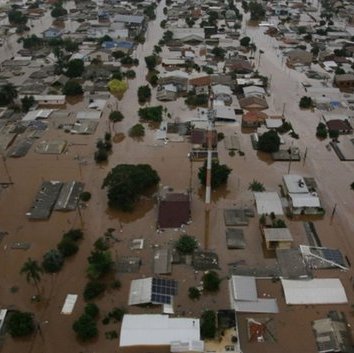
(124, 44)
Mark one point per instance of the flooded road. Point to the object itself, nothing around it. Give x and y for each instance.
(175, 170)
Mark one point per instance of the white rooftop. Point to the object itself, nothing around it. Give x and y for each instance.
(295, 184)
(37, 114)
(314, 291)
(268, 202)
(305, 200)
(140, 291)
(277, 234)
(244, 298)
(157, 330)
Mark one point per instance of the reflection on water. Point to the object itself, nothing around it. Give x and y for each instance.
(72, 100)
(216, 195)
(118, 137)
(142, 207)
(265, 157)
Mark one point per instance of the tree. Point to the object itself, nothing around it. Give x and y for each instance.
(333, 134)
(130, 74)
(20, 324)
(269, 142)
(186, 244)
(151, 113)
(74, 234)
(116, 116)
(85, 196)
(27, 102)
(75, 68)
(193, 293)
(149, 11)
(137, 130)
(8, 93)
(245, 41)
(85, 327)
(151, 61)
(117, 86)
(305, 102)
(32, 42)
(190, 22)
(92, 310)
(218, 52)
(16, 17)
(157, 49)
(125, 184)
(211, 281)
(208, 324)
(100, 263)
(219, 174)
(257, 11)
(256, 186)
(321, 131)
(67, 247)
(32, 271)
(213, 18)
(53, 261)
(118, 54)
(93, 289)
(153, 80)
(144, 94)
(72, 88)
(101, 155)
(58, 11)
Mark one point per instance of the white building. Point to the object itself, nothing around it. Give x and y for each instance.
(181, 334)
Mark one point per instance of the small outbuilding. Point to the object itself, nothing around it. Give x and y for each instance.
(174, 209)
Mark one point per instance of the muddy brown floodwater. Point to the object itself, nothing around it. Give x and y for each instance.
(171, 162)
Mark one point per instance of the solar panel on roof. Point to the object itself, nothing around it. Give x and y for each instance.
(164, 286)
(333, 255)
(160, 298)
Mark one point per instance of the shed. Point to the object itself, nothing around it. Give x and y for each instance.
(277, 238)
(235, 238)
(162, 261)
(174, 210)
(268, 202)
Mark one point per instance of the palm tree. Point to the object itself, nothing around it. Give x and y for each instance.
(32, 271)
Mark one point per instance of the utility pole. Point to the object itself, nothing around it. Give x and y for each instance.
(305, 156)
(6, 169)
(211, 118)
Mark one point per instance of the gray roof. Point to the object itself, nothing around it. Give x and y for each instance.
(69, 196)
(45, 199)
(235, 238)
(162, 261)
(129, 19)
(292, 264)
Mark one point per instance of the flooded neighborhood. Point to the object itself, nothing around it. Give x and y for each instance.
(176, 176)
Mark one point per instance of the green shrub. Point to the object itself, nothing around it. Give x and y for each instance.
(92, 310)
(85, 327)
(20, 324)
(53, 261)
(68, 247)
(93, 289)
(193, 293)
(74, 234)
(85, 196)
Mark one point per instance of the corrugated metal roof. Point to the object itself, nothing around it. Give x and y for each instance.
(314, 291)
(157, 330)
